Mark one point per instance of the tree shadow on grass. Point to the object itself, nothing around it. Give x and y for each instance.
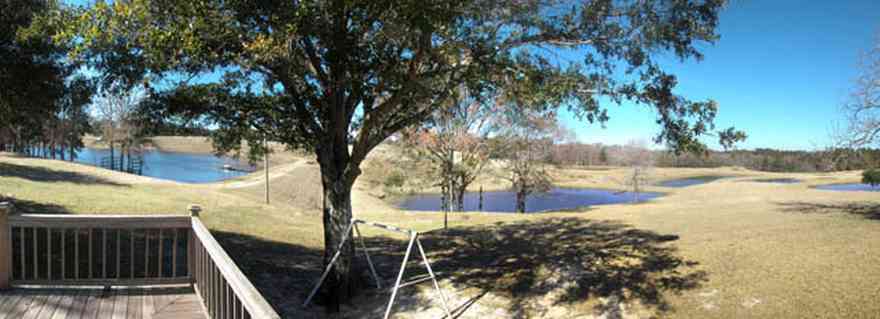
(32, 207)
(285, 274)
(43, 174)
(282, 272)
(867, 210)
(25, 206)
(577, 259)
(557, 262)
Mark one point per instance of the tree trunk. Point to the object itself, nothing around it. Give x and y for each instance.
(444, 202)
(122, 157)
(453, 195)
(480, 207)
(637, 172)
(337, 185)
(459, 197)
(521, 198)
(446, 194)
(337, 216)
(112, 159)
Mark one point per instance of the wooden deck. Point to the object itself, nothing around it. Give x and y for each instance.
(132, 251)
(155, 303)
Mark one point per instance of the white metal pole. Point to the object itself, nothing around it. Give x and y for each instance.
(434, 278)
(400, 275)
(369, 261)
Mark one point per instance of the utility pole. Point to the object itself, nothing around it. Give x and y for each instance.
(266, 167)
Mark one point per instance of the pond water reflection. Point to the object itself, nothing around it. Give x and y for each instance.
(181, 167)
(854, 187)
(555, 200)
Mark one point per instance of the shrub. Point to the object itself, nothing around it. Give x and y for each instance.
(395, 179)
(871, 177)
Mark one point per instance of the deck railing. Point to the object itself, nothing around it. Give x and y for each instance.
(125, 250)
(226, 292)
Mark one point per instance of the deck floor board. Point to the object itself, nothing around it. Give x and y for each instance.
(135, 303)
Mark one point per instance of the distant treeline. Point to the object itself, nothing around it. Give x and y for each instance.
(770, 160)
(164, 128)
(780, 161)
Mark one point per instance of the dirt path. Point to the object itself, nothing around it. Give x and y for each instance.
(258, 178)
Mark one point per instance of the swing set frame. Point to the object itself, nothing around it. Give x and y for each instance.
(413, 242)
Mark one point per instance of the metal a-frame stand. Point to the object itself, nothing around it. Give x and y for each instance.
(413, 241)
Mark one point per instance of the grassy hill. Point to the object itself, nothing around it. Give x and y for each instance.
(727, 249)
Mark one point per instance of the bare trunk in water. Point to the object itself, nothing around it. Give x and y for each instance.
(521, 193)
(112, 159)
(480, 207)
(459, 197)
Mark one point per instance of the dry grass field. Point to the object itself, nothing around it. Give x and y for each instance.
(731, 248)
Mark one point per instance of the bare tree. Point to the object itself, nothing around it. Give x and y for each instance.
(640, 159)
(576, 153)
(863, 109)
(528, 137)
(115, 110)
(456, 142)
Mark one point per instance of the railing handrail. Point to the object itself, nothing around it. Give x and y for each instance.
(100, 221)
(250, 297)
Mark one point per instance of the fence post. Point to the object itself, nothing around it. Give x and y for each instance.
(194, 211)
(5, 245)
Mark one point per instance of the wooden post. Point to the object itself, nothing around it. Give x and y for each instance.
(194, 211)
(5, 245)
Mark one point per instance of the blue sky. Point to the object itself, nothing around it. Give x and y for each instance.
(779, 72)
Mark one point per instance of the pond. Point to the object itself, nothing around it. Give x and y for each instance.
(778, 180)
(181, 167)
(690, 181)
(555, 200)
(854, 187)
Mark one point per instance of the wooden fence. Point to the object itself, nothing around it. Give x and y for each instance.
(125, 250)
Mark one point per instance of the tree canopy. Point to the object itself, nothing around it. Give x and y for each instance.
(42, 101)
(339, 77)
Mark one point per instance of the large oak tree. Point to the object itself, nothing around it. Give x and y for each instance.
(339, 77)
